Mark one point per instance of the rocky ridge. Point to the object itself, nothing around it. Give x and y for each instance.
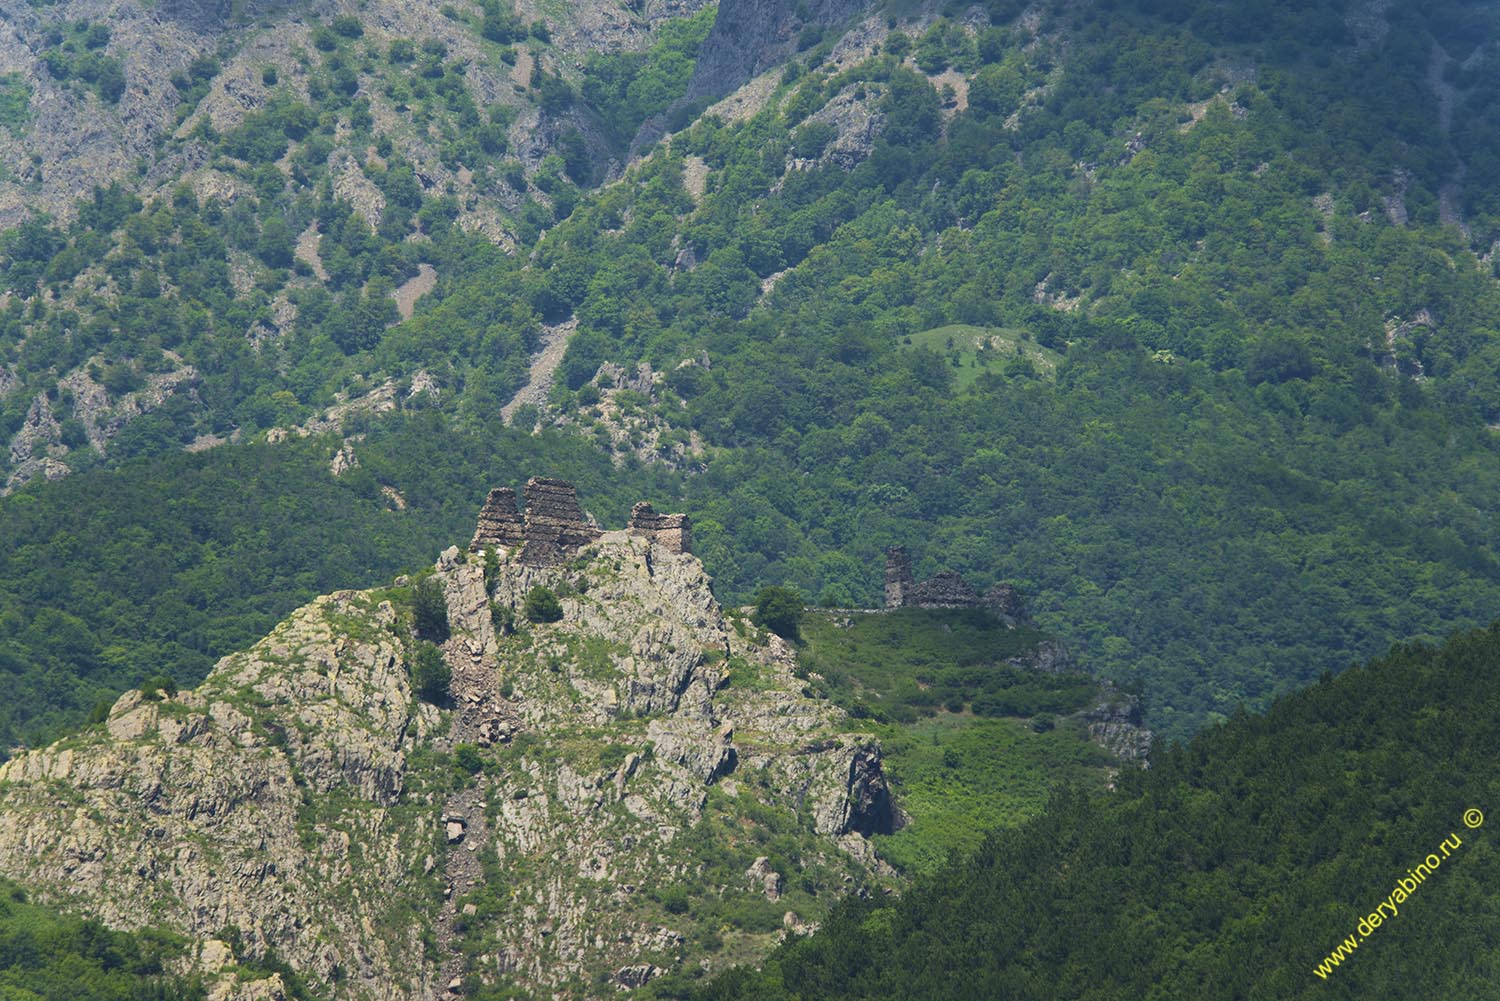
(535, 830)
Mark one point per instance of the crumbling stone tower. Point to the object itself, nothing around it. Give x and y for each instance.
(898, 582)
(554, 525)
(948, 589)
(499, 522)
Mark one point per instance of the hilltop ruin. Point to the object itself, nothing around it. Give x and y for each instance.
(948, 589)
(553, 526)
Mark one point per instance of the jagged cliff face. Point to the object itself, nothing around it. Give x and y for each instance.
(304, 795)
(751, 36)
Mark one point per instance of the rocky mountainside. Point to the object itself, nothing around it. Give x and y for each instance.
(589, 793)
(122, 103)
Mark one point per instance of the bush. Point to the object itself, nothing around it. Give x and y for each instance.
(429, 673)
(430, 611)
(542, 605)
(779, 609)
(466, 757)
(158, 687)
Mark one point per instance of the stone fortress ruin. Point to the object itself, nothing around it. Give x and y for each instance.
(553, 526)
(948, 589)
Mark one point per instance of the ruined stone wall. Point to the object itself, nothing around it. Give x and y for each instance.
(553, 526)
(1005, 603)
(673, 532)
(948, 589)
(945, 589)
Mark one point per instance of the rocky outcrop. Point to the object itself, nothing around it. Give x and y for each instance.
(1049, 656)
(1115, 723)
(863, 803)
(751, 36)
(260, 801)
(303, 795)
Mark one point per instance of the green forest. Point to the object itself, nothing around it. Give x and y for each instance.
(1229, 869)
(163, 565)
(46, 955)
(1231, 430)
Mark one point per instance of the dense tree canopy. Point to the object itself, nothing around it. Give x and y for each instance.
(1230, 869)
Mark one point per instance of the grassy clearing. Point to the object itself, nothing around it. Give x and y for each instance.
(975, 350)
(971, 742)
(957, 777)
(899, 666)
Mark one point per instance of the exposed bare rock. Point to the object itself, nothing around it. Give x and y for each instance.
(1115, 723)
(351, 185)
(638, 975)
(856, 123)
(749, 36)
(295, 794)
(37, 432)
(343, 460)
(860, 801)
(765, 879)
(218, 807)
(639, 427)
(1050, 656)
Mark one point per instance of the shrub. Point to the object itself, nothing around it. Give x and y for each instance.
(779, 609)
(430, 611)
(542, 605)
(429, 673)
(466, 757)
(159, 686)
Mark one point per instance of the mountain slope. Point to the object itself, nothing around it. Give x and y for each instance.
(1229, 870)
(552, 764)
(1181, 319)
